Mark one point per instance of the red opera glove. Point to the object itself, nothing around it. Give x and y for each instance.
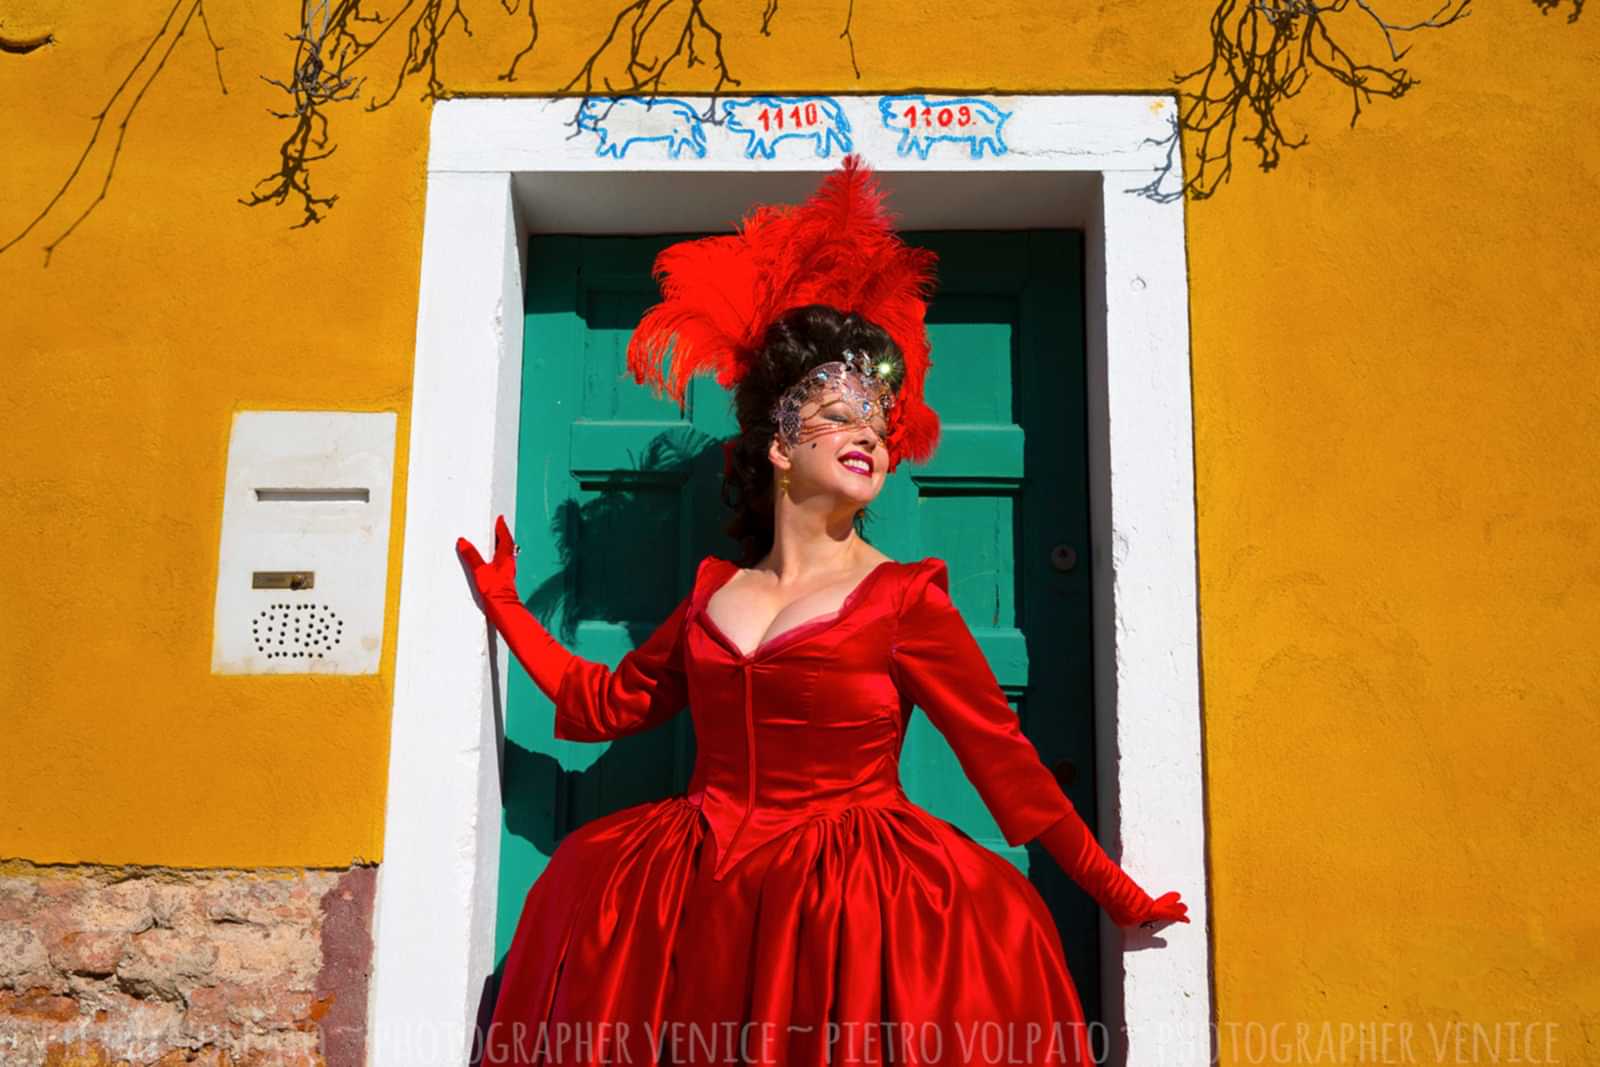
(540, 654)
(939, 666)
(1071, 845)
(593, 702)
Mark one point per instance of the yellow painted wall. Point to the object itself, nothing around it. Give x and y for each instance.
(1397, 414)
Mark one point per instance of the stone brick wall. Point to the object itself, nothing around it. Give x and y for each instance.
(129, 965)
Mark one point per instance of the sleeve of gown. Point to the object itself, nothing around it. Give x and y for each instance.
(648, 686)
(593, 702)
(939, 666)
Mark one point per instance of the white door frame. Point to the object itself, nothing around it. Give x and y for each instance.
(501, 168)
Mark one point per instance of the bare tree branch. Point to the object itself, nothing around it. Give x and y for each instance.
(849, 38)
(1263, 53)
(1547, 6)
(325, 49)
(334, 36)
(167, 39)
(648, 38)
(1152, 189)
(645, 71)
(423, 38)
(510, 73)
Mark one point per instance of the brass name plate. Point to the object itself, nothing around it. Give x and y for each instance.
(283, 579)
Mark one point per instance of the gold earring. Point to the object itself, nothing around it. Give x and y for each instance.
(783, 482)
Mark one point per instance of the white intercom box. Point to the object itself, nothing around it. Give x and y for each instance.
(305, 543)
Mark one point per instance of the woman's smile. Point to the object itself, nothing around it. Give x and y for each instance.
(857, 461)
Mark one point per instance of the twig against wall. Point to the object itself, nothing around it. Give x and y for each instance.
(1547, 6)
(646, 40)
(631, 47)
(1263, 53)
(849, 38)
(332, 38)
(126, 97)
(510, 73)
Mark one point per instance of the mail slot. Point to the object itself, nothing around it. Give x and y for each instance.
(303, 559)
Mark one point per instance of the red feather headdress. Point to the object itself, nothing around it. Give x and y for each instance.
(719, 295)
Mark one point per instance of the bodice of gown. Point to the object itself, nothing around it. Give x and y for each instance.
(808, 723)
(813, 720)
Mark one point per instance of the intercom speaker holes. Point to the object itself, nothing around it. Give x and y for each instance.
(305, 631)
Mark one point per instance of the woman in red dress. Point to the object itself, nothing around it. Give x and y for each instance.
(794, 907)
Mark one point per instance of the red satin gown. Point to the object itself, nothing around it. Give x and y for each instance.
(795, 908)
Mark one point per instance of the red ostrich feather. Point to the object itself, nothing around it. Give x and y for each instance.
(719, 295)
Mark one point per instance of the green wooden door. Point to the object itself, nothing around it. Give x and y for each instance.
(617, 502)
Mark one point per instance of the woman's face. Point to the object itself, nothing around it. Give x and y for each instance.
(837, 453)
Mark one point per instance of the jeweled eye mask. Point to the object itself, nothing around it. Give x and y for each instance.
(865, 387)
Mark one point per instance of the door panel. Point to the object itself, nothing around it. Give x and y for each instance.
(618, 500)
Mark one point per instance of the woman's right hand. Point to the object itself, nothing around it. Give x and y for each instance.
(496, 580)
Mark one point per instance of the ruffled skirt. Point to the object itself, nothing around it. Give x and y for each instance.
(872, 935)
